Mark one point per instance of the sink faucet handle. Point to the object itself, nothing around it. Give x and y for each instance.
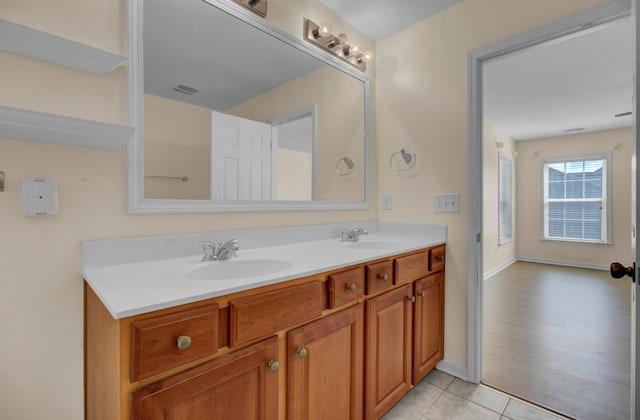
(209, 251)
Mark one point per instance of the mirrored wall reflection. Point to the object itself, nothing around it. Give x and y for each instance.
(232, 113)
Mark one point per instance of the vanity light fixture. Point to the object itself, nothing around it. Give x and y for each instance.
(320, 35)
(258, 6)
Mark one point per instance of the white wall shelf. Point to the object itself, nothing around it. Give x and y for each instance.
(40, 45)
(49, 128)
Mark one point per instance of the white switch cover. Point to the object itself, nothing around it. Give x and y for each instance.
(446, 203)
(387, 200)
(39, 196)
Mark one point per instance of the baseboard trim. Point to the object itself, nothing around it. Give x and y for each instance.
(453, 368)
(495, 270)
(564, 263)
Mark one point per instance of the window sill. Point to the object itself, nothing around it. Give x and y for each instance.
(576, 241)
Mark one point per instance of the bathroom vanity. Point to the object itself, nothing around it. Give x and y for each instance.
(345, 342)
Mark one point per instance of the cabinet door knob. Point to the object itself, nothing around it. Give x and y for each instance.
(421, 293)
(184, 342)
(352, 287)
(301, 352)
(384, 277)
(440, 258)
(274, 365)
(411, 298)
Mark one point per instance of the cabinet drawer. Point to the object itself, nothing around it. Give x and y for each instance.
(346, 286)
(379, 276)
(410, 267)
(437, 258)
(164, 342)
(261, 315)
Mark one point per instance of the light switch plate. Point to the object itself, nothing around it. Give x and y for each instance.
(39, 196)
(446, 203)
(387, 201)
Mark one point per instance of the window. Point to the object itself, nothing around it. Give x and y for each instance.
(575, 204)
(505, 196)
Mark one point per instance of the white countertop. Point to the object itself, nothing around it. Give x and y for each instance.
(133, 288)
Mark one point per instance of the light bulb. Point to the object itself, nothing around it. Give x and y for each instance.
(324, 29)
(367, 56)
(355, 48)
(342, 39)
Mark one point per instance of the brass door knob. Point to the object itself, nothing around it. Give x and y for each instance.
(184, 342)
(618, 270)
(384, 277)
(273, 365)
(301, 352)
(352, 287)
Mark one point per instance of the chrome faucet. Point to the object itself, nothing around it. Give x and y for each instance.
(219, 252)
(352, 235)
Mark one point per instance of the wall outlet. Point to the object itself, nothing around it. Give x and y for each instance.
(446, 203)
(387, 201)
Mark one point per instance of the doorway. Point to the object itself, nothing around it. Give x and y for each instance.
(477, 234)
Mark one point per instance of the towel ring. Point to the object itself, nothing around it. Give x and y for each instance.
(402, 160)
(346, 168)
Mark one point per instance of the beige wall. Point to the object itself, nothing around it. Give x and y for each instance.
(529, 184)
(421, 82)
(177, 142)
(41, 304)
(494, 254)
(339, 127)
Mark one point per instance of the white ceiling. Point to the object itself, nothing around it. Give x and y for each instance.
(227, 60)
(380, 18)
(577, 82)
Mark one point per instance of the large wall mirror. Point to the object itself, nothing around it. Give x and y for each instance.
(234, 114)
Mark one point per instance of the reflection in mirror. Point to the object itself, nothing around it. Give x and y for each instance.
(243, 115)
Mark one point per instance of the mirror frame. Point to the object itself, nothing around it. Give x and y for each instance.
(137, 204)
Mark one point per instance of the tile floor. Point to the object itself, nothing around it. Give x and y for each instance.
(440, 396)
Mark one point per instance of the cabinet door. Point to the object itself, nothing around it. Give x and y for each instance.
(239, 385)
(325, 367)
(428, 344)
(388, 350)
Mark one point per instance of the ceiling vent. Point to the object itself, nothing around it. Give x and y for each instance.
(187, 90)
(624, 114)
(573, 130)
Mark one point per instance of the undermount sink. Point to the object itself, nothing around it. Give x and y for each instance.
(235, 269)
(373, 244)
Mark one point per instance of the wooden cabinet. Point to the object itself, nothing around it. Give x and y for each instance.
(388, 350)
(239, 385)
(428, 324)
(325, 367)
(345, 344)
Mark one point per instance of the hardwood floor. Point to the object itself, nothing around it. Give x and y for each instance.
(559, 337)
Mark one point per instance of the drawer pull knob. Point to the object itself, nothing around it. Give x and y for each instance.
(421, 294)
(274, 365)
(184, 342)
(352, 287)
(384, 277)
(411, 298)
(301, 352)
(440, 258)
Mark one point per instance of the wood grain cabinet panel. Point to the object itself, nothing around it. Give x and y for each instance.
(428, 324)
(325, 367)
(239, 385)
(346, 286)
(261, 315)
(388, 350)
(436, 258)
(154, 341)
(411, 267)
(379, 276)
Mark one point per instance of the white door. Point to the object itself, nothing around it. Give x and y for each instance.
(635, 314)
(240, 158)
